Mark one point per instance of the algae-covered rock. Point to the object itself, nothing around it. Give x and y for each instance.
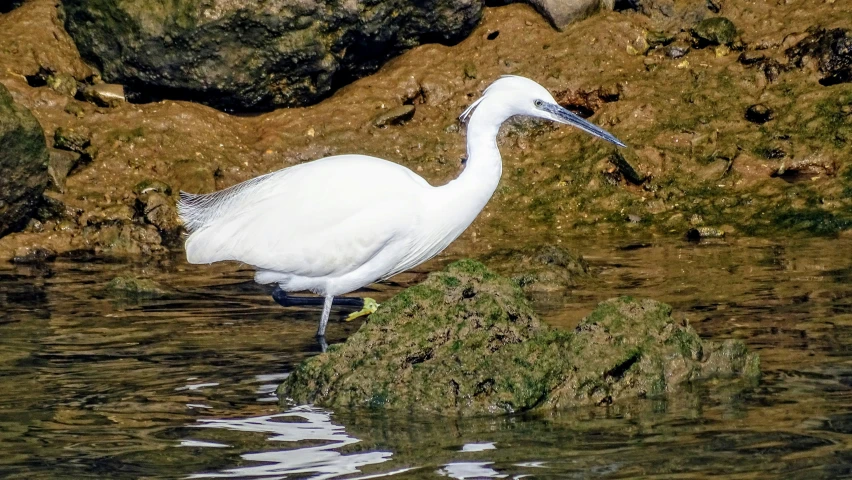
(715, 31)
(466, 342)
(23, 162)
(629, 348)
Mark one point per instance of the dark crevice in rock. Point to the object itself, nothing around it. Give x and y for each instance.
(622, 5)
(622, 368)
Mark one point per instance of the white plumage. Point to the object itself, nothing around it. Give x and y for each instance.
(336, 224)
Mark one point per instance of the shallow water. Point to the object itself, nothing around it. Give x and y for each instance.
(182, 386)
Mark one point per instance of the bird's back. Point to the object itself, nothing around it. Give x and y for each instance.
(315, 219)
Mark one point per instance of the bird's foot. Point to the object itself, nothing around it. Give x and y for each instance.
(370, 306)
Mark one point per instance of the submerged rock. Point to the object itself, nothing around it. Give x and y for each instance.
(466, 342)
(540, 270)
(255, 55)
(23, 161)
(134, 287)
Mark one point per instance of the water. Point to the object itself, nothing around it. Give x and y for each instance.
(182, 386)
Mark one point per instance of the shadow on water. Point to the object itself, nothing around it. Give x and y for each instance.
(181, 385)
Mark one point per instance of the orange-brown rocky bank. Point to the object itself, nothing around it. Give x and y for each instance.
(739, 126)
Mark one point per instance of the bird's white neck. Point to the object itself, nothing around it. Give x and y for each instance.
(484, 166)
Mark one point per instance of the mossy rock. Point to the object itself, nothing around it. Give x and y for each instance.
(23, 161)
(466, 342)
(714, 31)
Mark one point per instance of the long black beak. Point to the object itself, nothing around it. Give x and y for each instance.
(567, 117)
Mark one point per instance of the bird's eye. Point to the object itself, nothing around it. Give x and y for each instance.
(538, 103)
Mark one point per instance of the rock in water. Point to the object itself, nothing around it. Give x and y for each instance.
(23, 161)
(466, 342)
(255, 55)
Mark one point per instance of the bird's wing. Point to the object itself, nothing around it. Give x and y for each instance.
(326, 217)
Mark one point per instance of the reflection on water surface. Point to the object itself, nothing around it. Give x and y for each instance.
(182, 385)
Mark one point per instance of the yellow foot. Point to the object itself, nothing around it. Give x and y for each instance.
(370, 306)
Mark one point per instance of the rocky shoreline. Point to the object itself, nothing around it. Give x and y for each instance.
(738, 117)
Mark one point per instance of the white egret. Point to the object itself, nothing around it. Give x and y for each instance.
(339, 223)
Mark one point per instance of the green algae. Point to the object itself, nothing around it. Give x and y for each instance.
(466, 342)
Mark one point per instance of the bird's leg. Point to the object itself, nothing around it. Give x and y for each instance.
(326, 311)
(369, 306)
(322, 344)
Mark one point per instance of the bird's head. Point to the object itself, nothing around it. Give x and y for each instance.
(513, 95)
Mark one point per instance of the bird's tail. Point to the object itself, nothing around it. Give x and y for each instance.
(199, 210)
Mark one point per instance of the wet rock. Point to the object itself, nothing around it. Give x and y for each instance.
(677, 51)
(394, 116)
(23, 163)
(111, 214)
(758, 113)
(714, 31)
(699, 233)
(72, 139)
(148, 186)
(75, 109)
(814, 165)
(465, 342)
(160, 211)
(105, 94)
(63, 83)
(561, 13)
(157, 207)
(828, 51)
(60, 164)
(123, 239)
(33, 254)
(771, 69)
(134, 287)
(278, 54)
